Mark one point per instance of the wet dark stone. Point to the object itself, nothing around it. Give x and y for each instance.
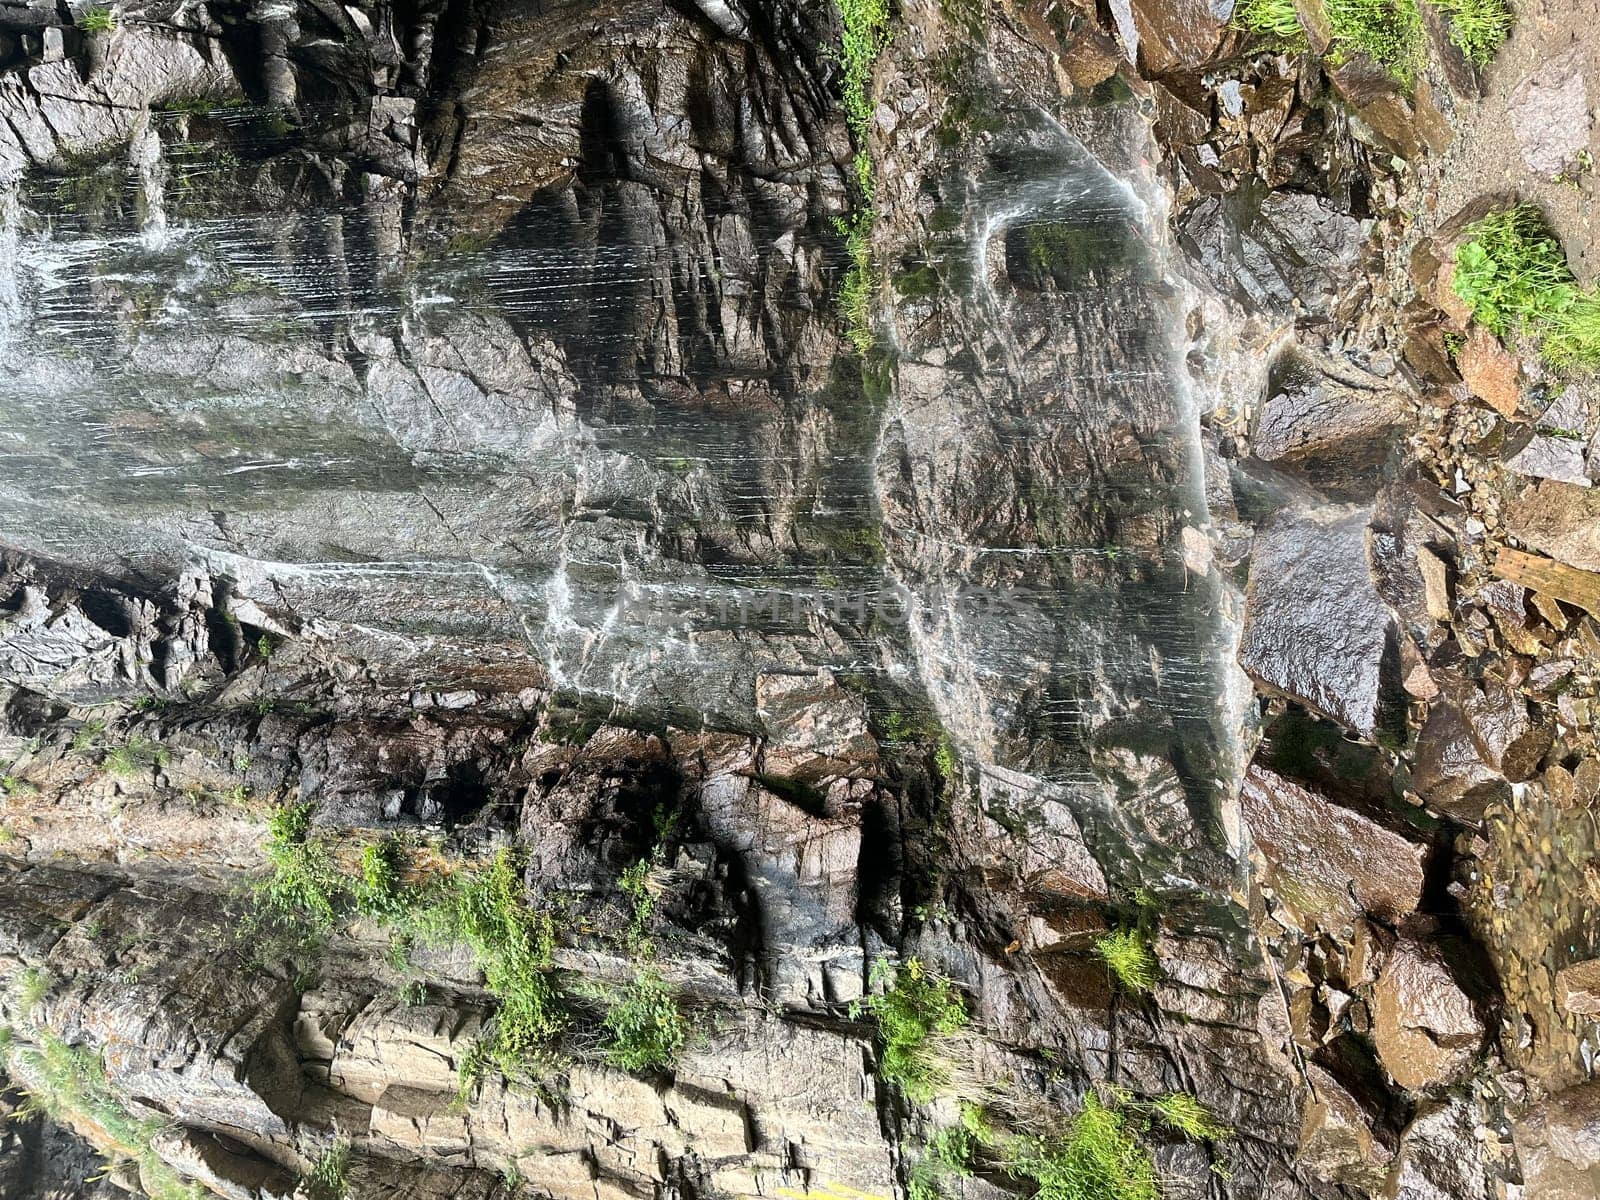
(1315, 627)
(1449, 772)
(1327, 863)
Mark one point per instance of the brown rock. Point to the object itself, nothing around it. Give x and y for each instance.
(1578, 987)
(1558, 1145)
(1336, 1134)
(1559, 520)
(1424, 1026)
(1329, 864)
(1435, 584)
(1449, 773)
(1506, 738)
(1170, 34)
(1491, 371)
(1444, 295)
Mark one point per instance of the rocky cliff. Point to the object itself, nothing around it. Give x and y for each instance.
(509, 685)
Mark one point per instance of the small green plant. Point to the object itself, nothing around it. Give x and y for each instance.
(914, 1016)
(264, 646)
(377, 890)
(512, 944)
(635, 884)
(1128, 957)
(1096, 1158)
(647, 1028)
(32, 985)
(329, 1176)
(865, 34)
(1274, 19)
(1477, 27)
(414, 993)
(135, 757)
(1387, 31)
(88, 735)
(944, 760)
(1513, 275)
(1181, 1111)
(15, 785)
(98, 20)
(860, 280)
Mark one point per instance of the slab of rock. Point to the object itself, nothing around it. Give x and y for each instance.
(1325, 425)
(1491, 371)
(1337, 1134)
(1164, 35)
(1559, 520)
(1449, 772)
(1547, 456)
(1424, 1026)
(1558, 1145)
(1441, 1156)
(1550, 114)
(1578, 987)
(1315, 627)
(1327, 863)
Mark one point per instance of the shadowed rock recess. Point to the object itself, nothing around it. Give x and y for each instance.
(629, 600)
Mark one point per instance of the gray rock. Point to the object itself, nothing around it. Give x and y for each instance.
(1315, 628)
(1542, 456)
(1441, 1155)
(1550, 114)
(1558, 1145)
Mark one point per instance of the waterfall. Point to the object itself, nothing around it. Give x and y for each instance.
(149, 166)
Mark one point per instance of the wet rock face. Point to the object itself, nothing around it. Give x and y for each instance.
(1315, 628)
(1441, 1156)
(1328, 864)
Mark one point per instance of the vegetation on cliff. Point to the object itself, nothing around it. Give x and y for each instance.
(1513, 275)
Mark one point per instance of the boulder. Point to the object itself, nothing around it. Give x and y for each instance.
(1329, 864)
(1165, 35)
(1333, 430)
(1424, 1026)
(1337, 1138)
(1559, 520)
(1315, 628)
(1506, 738)
(1449, 772)
(1548, 456)
(1491, 371)
(1558, 1145)
(1441, 1156)
(1578, 987)
(1550, 114)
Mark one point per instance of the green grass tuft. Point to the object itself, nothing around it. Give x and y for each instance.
(1275, 19)
(1181, 1111)
(1387, 31)
(1128, 957)
(865, 34)
(1513, 275)
(32, 985)
(68, 1084)
(135, 757)
(860, 280)
(98, 20)
(1098, 1158)
(913, 1017)
(647, 1028)
(1477, 27)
